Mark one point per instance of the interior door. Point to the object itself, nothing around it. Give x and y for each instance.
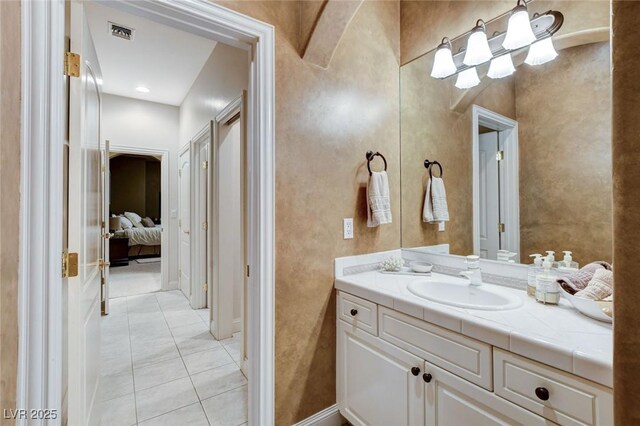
(489, 196)
(379, 384)
(184, 222)
(202, 210)
(85, 220)
(104, 176)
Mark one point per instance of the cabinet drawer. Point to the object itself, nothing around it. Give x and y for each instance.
(359, 312)
(554, 394)
(465, 357)
(450, 400)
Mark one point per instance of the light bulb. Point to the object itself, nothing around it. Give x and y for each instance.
(478, 50)
(443, 65)
(467, 79)
(519, 32)
(501, 66)
(541, 52)
(142, 89)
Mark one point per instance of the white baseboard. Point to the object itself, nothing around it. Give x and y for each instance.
(328, 417)
(173, 285)
(237, 326)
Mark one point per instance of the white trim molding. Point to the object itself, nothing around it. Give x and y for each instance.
(42, 144)
(509, 178)
(330, 416)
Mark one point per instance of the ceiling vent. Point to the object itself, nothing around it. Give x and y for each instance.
(121, 31)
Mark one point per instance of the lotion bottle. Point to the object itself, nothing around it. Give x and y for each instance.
(547, 290)
(567, 264)
(532, 271)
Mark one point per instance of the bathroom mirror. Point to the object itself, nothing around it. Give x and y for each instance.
(526, 159)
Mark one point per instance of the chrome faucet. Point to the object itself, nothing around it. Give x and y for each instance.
(473, 272)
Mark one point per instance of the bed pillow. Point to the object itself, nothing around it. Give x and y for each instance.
(125, 223)
(148, 223)
(135, 219)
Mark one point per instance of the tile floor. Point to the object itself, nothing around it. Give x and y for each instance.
(135, 278)
(161, 366)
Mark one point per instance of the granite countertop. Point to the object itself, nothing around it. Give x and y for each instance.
(556, 335)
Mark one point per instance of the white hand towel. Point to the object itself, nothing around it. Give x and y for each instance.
(435, 208)
(379, 205)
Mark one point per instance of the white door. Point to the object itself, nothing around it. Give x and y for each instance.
(105, 177)
(378, 384)
(184, 222)
(489, 196)
(451, 400)
(85, 219)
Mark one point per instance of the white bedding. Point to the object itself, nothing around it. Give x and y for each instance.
(142, 236)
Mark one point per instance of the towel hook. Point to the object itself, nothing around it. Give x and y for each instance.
(429, 164)
(370, 155)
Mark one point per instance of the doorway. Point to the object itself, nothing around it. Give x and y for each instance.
(208, 20)
(496, 212)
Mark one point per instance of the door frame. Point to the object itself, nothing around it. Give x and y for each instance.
(198, 297)
(186, 148)
(509, 176)
(164, 202)
(42, 142)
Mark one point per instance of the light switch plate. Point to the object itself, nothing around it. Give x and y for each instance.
(347, 228)
(441, 226)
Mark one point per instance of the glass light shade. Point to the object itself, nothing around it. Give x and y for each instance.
(443, 65)
(519, 32)
(541, 52)
(467, 79)
(478, 50)
(501, 66)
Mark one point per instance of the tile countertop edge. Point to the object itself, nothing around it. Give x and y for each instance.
(598, 369)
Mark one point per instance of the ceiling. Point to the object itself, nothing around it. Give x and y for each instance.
(163, 59)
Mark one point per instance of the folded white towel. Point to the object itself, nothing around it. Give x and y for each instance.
(435, 208)
(379, 205)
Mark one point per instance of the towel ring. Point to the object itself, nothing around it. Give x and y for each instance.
(429, 164)
(370, 155)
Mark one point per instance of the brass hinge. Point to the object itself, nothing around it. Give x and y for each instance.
(71, 64)
(69, 265)
(205, 164)
(205, 225)
(500, 155)
(501, 227)
(204, 287)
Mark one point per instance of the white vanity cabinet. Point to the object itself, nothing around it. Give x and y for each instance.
(396, 370)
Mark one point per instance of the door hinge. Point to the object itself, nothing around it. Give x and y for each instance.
(205, 225)
(69, 265)
(248, 273)
(501, 227)
(500, 155)
(204, 287)
(71, 64)
(205, 164)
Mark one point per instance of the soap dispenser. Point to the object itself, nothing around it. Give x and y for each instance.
(551, 255)
(547, 289)
(567, 264)
(532, 271)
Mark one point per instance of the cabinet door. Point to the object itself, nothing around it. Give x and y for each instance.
(377, 383)
(450, 400)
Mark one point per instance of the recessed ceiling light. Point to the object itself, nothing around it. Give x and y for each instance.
(142, 89)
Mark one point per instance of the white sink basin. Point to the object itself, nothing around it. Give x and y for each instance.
(464, 295)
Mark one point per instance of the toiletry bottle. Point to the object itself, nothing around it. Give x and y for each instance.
(532, 271)
(547, 290)
(551, 255)
(567, 264)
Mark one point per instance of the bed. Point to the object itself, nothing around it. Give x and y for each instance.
(143, 241)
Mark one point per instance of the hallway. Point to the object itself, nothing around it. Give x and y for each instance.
(161, 366)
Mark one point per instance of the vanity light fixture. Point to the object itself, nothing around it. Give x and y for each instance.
(443, 65)
(519, 32)
(500, 67)
(541, 52)
(142, 89)
(467, 79)
(478, 50)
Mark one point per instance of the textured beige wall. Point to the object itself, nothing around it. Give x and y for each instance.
(9, 197)
(325, 122)
(564, 119)
(626, 202)
(431, 130)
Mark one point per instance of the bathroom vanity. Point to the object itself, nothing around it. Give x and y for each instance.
(405, 360)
